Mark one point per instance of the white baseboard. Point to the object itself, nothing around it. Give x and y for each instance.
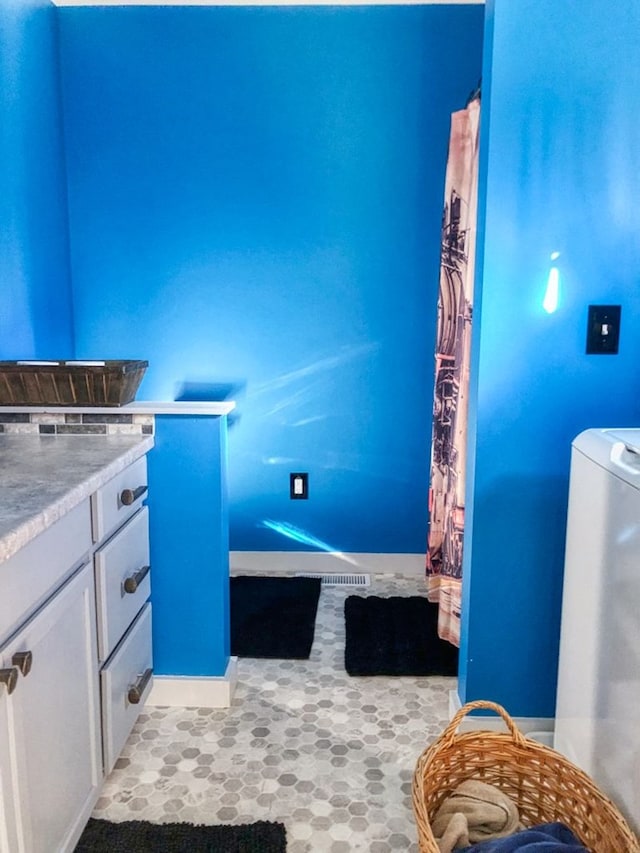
(321, 562)
(454, 703)
(186, 691)
(493, 723)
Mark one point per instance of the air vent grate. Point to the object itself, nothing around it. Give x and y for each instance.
(338, 580)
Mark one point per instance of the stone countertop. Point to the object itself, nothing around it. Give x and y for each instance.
(43, 477)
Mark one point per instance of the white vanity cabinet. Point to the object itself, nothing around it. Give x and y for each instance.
(75, 659)
(54, 720)
(123, 586)
(9, 823)
(50, 764)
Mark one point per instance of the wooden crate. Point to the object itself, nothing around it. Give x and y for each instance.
(108, 383)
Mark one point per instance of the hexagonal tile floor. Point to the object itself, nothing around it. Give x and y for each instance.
(330, 756)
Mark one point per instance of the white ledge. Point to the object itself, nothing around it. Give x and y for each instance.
(141, 407)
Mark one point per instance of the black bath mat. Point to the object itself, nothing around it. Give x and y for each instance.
(395, 636)
(273, 617)
(136, 836)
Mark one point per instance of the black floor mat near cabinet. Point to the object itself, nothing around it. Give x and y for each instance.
(138, 836)
(273, 617)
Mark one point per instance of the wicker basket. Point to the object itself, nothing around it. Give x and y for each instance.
(108, 383)
(544, 785)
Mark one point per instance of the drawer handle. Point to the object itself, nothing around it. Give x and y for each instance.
(23, 661)
(9, 677)
(129, 496)
(131, 584)
(136, 690)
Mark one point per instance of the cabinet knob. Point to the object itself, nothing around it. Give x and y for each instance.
(129, 496)
(23, 661)
(9, 677)
(136, 690)
(132, 583)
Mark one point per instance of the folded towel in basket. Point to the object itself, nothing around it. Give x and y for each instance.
(545, 838)
(474, 812)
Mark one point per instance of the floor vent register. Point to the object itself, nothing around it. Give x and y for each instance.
(338, 580)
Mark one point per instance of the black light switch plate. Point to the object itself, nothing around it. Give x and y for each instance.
(603, 329)
(299, 487)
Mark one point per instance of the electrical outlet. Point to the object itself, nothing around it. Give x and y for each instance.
(603, 329)
(298, 487)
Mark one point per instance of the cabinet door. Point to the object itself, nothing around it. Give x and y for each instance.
(9, 817)
(53, 716)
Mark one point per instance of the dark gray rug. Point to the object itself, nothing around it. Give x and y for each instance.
(273, 617)
(395, 636)
(134, 836)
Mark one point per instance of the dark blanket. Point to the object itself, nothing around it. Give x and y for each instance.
(545, 838)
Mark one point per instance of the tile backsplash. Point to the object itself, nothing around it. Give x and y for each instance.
(65, 423)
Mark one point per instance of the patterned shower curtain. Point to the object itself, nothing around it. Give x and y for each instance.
(453, 344)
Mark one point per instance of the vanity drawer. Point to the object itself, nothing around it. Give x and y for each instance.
(122, 581)
(126, 681)
(31, 576)
(118, 499)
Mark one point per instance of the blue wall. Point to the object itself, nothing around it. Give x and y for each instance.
(561, 172)
(189, 541)
(35, 298)
(255, 203)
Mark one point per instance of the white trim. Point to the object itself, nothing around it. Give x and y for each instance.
(185, 691)
(454, 703)
(321, 562)
(140, 407)
(267, 3)
(494, 724)
(539, 726)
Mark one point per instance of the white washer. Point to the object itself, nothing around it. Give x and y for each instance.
(598, 702)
